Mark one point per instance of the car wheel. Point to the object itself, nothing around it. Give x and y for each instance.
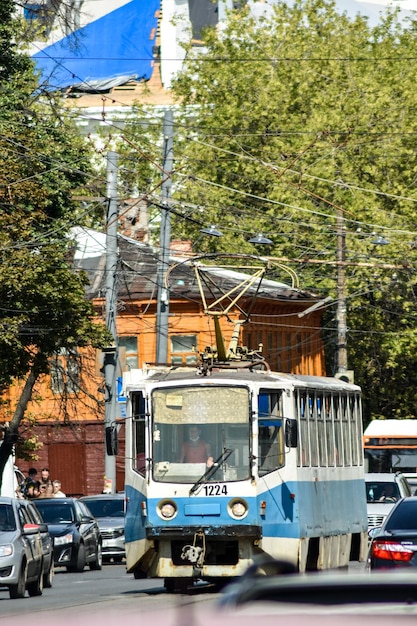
(49, 576)
(117, 559)
(18, 590)
(80, 564)
(98, 561)
(35, 588)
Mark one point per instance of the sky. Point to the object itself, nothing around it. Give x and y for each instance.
(369, 8)
(373, 8)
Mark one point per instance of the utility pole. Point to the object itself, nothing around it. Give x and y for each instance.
(341, 294)
(162, 308)
(110, 353)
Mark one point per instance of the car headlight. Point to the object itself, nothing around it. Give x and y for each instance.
(167, 509)
(238, 508)
(68, 538)
(6, 550)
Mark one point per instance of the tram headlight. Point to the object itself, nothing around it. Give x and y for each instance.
(238, 508)
(167, 509)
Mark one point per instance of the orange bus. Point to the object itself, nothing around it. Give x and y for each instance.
(391, 446)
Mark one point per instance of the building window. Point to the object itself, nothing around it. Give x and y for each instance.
(65, 371)
(129, 351)
(183, 350)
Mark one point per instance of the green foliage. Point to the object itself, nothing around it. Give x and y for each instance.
(45, 162)
(283, 123)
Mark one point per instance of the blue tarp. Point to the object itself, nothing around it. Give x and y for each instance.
(106, 52)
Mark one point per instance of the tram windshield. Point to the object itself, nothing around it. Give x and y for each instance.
(196, 428)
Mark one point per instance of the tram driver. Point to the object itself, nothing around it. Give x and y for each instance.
(195, 449)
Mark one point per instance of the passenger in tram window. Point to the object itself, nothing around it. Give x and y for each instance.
(195, 449)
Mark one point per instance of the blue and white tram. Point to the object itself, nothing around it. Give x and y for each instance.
(287, 478)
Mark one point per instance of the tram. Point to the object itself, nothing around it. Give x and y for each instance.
(227, 461)
(286, 476)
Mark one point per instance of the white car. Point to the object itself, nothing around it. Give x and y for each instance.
(412, 482)
(382, 492)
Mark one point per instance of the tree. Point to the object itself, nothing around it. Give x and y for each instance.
(286, 121)
(43, 304)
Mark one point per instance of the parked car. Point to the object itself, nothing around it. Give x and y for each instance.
(382, 492)
(394, 544)
(109, 511)
(75, 532)
(21, 551)
(47, 542)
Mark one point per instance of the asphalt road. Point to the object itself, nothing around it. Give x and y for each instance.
(109, 596)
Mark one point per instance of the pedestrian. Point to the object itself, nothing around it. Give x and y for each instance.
(57, 493)
(29, 481)
(45, 478)
(46, 490)
(33, 490)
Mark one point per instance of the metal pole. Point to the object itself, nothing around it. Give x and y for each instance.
(110, 353)
(162, 308)
(341, 295)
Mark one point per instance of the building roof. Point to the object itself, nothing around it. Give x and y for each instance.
(111, 43)
(137, 274)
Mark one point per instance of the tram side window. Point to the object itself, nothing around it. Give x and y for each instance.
(347, 437)
(303, 448)
(271, 452)
(321, 432)
(138, 413)
(330, 435)
(337, 421)
(355, 417)
(312, 429)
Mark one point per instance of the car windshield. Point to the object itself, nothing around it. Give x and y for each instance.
(7, 519)
(56, 513)
(403, 517)
(377, 491)
(106, 507)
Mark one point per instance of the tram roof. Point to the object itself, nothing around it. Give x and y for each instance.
(238, 375)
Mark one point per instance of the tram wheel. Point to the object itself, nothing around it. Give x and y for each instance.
(177, 585)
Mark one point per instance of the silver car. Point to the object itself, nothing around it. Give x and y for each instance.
(109, 511)
(21, 550)
(382, 492)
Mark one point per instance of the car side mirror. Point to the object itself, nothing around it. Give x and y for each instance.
(291, 433)
(372, 532)
(112, 443)
(31, 529)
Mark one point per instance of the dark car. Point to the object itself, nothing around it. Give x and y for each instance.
(275, 593)
(75, 533)
(21, 551)
(394, 544)
(109, 511)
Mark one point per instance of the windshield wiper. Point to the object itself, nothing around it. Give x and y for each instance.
(212, 470)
